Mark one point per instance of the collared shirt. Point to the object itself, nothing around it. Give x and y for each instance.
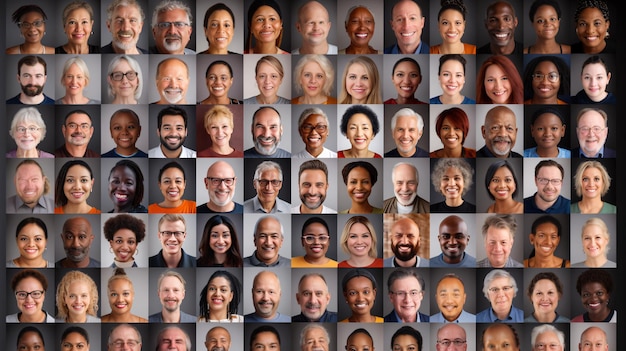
(464, 317)
(185, 260)
(485, 152)
(184, 318)
(156, 152)
(324, 209)
(516, 315)
(279, 153)
(394, 318)
(45, 204)
(561, 205)
(252, 260)
(253, 205)
(328, 316)
(420, 262)
(509, 263)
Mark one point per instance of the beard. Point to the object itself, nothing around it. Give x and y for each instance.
(411, 199)
(28, 89)
(264, 150)
(181, 141)
(405, 256)
(315, 205)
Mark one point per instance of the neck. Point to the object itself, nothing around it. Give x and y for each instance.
(503, 50)
(38, 262)
(357, 153)
(171, 153)
(67, 263)
(451, 99)
(267, 206)
(265, 48)
(82, 207)
(407, 154)
(595, 50)
(312, 100)
(218, 315)
(32, 153)
(171, 204)
(541, 204)
(456, 202)
(452, 48)
(32, 48)
(504, 206)
(317, 261)
(222, 150)
(360, 261)
(453, 152)
(410, 263)
(304, 209)
(596, 261)
(220, 258)
(76, 49)
(545, 46)
(36, 318)
(265, 261)
(124, 100)
(81, 318)
(315, 152)
(539, 100)
(131, 51)
(360, 50)
(217, 100)
(544, 262)
(171, 260)
(226, 208)
(269, 100)
(217, 51)
(126, 151)
(31, 100)
(454, 260)
(358, 207)
(362, 318)
(408, 49)
(170, 316)
(545, 317)
(590, 205)
(75, 99)
(403, 100)
(548, 152)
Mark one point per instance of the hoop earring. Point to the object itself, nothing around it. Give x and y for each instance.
(136, 252)
(110, 249)
(608, 35)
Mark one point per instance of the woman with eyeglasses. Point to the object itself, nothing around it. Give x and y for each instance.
(78, 21)
(220, 298)
(28, 130)
(313, 128)
(121, 295)
(547, 81)
(29, 287)
(125, 80)
(315, 240)
(219, 246)
(75, 337)
(545, 236)
(172, 183)
(31, 20)
(77, 299)
(73, 186)
(31, 238)
(124, 233)
(219, 124)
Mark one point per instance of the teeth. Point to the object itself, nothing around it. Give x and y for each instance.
(361, 35)
(408, 34)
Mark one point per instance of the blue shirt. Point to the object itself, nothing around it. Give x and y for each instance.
(422, 48)
(464, 317)
(561, 205)
(280, 318)
(467, 261)
(16, 100)
(532, 152)
(488, 316)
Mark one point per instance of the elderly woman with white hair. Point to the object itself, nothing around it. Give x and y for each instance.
(124, 80)
(75, 79)
(313, 127)
(28, 129)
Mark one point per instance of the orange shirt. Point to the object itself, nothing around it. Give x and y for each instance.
(187, 206)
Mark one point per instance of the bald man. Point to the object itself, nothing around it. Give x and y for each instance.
(220, 182)
(217, 339)
(453, 239)
(404, 236)
(266, 295)
(593, 338)
(314, 25)
(451, 335)
(77, 237)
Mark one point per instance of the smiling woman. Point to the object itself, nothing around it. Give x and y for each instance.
(121, 294)
(31, 20)
(28, 129)
(31, 238)
(219, 29)
(75, 79)
(77, 299)
(124, 233)
(220, 298)
(78, 21)
(172, 182)
(29, 286)
(73, 186)
(265, 25)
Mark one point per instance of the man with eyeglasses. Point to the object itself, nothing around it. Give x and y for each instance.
(500, 288)
(593, 338)
(171, 292)
(592, 131)
(125, 22)
(268, 180)
(546, 337)
(31, 190)
(313, 297)
(312, 185)
(124, 336)
(451, 297)
(451, 337)
(404, 238)
(498, 237)
(32, 74)
(171, 28)
(268, 239)
(77, 236)
(500, 132)
(498, 336)
(315, 241)
(453, 239)
(266, 293)
(549, 176)
(172, 81)
(267, 132)
(313, 128)
(172, 235)
(172, 132)
(77, 131)
(407, 128)
(220, 182)
(405, 180)
(406, 291)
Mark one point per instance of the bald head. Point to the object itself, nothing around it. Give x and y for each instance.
(220, 182)
(593, 338)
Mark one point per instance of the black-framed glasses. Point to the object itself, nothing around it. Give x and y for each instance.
(167, 25)
(311, 239)
(83, 126)
(35, 294)
(545, 181)
(218, 181)
(264, 182)
(118, 76)
(177, 235)
(320, 128)
(27, 25)
(553, 77)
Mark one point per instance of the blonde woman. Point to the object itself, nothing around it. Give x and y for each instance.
(358, 239)
(77, 299)
(313, 80)
(75, 79)
(219, 125)
(360, 83)
(595, 241)
(591, 182)
(269, 74)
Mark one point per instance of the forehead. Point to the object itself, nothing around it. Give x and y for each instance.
(265, 11)
(316, 227)
(500, 116)
(314, 118)
(500, 8)
(405, 224)
(222, 169)
(37, 68)
(269, 224)
(270, 173)
(407, 281)
(78, 117)
(450, 284)
(548, 336)
(549, 170)
(79, 12)
(124, 116)
(27, 169)
(173, 66)
(218, 333)
(268, 116)
(124, 332)
(591, 117)
(77, 225)
(174, 14)
(312, 10)
(316, 174)
(171, 281)
(265, 338)
(313, 283)
(498, 233)
(173, 119)
(452, 331)
(127, 11)
(173, 333)
(499, 331)
(360, 12)
(500, 281)
(452, 65)
(176, 224)
(172, 172)
(406, 7)
(315, 333)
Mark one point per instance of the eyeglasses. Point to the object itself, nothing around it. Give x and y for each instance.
(27, 25)
(118, 76)
(545, 181)
(505, 289)
(22, 130)
(320, 128)
(458, 236)
(167, 233)
(403, 294)
(167, 25)
(35, 294)
(551, 346)
(264, 182)
(553, 77)
(118, 344)
(448, 342)
(594, 129)
(310, 239)
(218, 181)
(72, 125)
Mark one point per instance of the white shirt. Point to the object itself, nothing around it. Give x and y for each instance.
(158, 153)
(325, 154)
(324, 209)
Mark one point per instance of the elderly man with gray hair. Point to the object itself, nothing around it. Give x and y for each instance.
(171, 28)
(267, 181)
(173, 338)
(268, 239)
(499, 287)
(124, 335)
(405, 180)
(498, 237)
(314, 337)
(407, 127)
(547, 337)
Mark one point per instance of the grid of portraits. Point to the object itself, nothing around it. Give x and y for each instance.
(226, 168)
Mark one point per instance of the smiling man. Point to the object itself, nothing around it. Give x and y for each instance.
(125, 22)
(172, 81)
(172, 132)
(171, 28)
(313, 25)
(405, 180)
(266, 293)
(171, 292)
(407, 23)
(450, 295)
(407, 128)
(220, 182)
(217, 339)
(31, 190)
(453, 239)
(549, 176)
(500, 23)
(500, 133)
(32, 74)
(498, 237)
(500, 288)
(404, 237)
(267, 131)
(314, 337)
(268, 180)
(77, 131)
(172, 235)
(313, 297)
(312, 185)
(268, 239)
(77, 237)
(591, 132)
(406, 292)
(173, 338)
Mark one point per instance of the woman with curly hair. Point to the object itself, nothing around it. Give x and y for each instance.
(359, 124)
(219, 246)
(29, 286)
(77, 299)
(124, 232)
(31, 20)
(595, 287)
(544, 291)
(452, 178)
(219, 299)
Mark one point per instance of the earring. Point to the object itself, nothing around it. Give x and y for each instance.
(608, 35)
(110, 249)
(136, 252)
(91, 33)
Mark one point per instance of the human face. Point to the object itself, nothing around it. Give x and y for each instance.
(593, 339)
(268, 80)
(125, 130)
(220, 239)
(499, 337)
(405, 239)
(407, 305)
(219, 294)
(77, 299)
(404, 342)
(358, 83)
(33, 34)
(451, 332)
(359, 240)
(220, 130)
(171, 293)
(173, 339)
(172, 81)
(266, 25)
(404, 184)
(549, 192)
(268, 194)
(545, 297)
(590, 141)
(312, 79)
(313, 297)
(74, 81)
(171, 244)
(498, 244)
(317, 249)
(220, 194)
(502, 184)
(267, 130)
(78, 185)
(124, 245)
(501, 300)
(500, 131)
(122, 187)
(124, 88)
(595, 241)
(30, 307)
(406, 134)
(452, 184)
(268, 240)
(594, 297)
(217, 339)
(219, 80)
(545, 240)
(73, 130)
(30, 341)
(453, 239)
(121, 296)
(78, 26)
(172, 40)
(315, 340)
(28, 140)
(29, 184)
(450, 298)
(359, 185)
(501, 23)
(172, 184)
(220, 30)
(77, 238)
(546, 22)
(407, 24)
(173, 132)
(360, 132)
(406, 78)
(451, 135)
(313, 23)
(314, 139)
(32, 79)
(497, 85)
(266, 341)
(451, 26)
(75, 340)
(359, 342)
(595, 78)
(547, 131)
(592, 29)
(127, 334)
(592, 183)
(360, 295)
(313, 187)
(266, 295)
(125, 26)
(31, 241)
(360, 27)
(452, 77)
(545, 89)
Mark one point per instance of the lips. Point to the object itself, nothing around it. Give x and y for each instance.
(77, 194)
(407, 34)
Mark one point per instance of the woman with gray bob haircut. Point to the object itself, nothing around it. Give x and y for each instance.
(28, 129)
